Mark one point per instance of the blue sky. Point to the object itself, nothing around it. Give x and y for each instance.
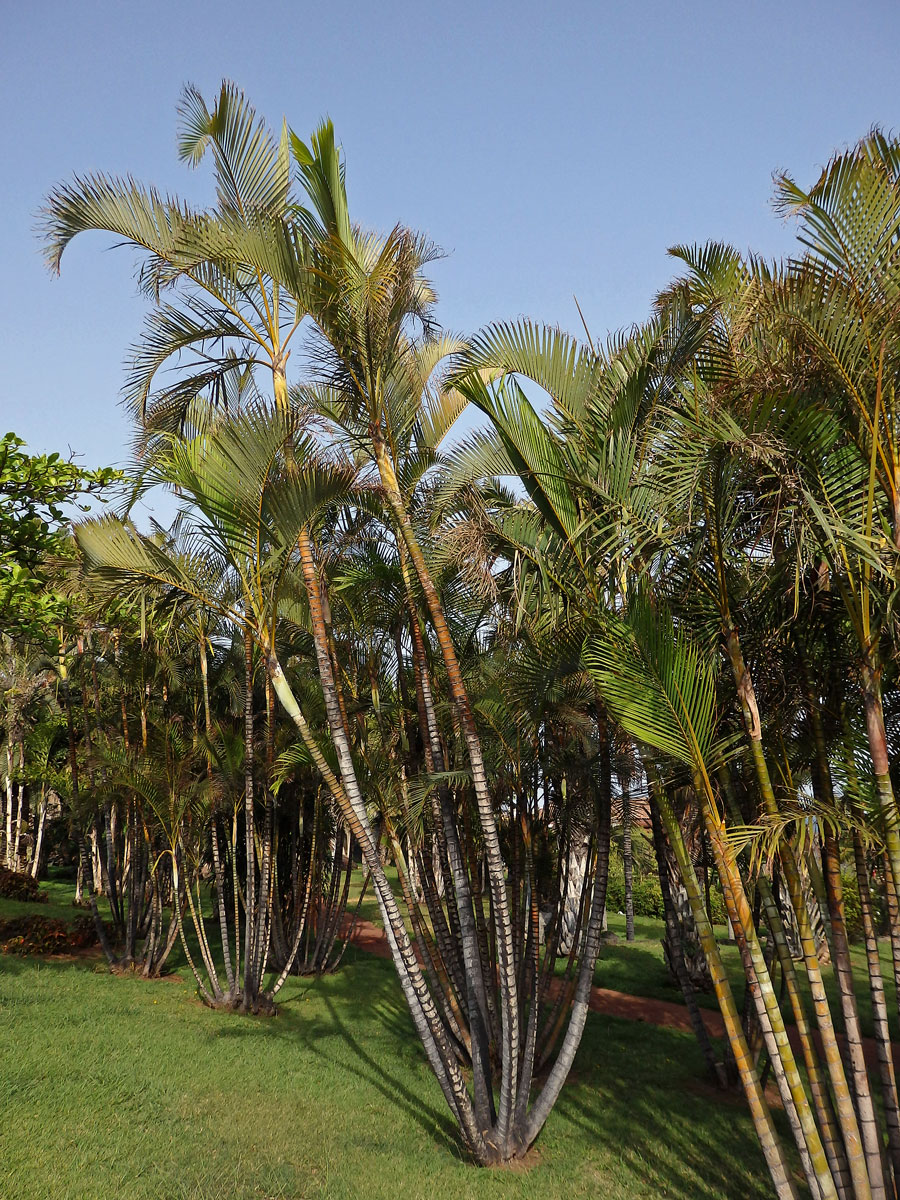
(552, 150)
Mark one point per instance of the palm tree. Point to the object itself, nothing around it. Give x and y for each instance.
(212, 316)
(22, 684)
(692, 594)
(589, 529)
(364, 295)
(736, 452)
(246, 509)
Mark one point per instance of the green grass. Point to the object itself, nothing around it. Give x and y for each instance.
(639, 969)
(111, 1086)
(60, 892)
(115, 1087)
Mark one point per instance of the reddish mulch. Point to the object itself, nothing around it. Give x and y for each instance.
(667, 1013)
(367, 936)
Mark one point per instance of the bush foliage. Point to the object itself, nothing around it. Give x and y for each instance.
(15, 885)
(37, 934)
(646, 893)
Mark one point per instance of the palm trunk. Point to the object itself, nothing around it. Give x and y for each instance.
(503, 934)
(476, 991)
(249, 831)
(784, 1066)
(879, 1011)
(236, 893)
(221, 912)
(852, 1032)
(818, 1082)
(759, 1109)
(627, 863)
(176, 901)
(866, 1183)
(673, 933)
(8, 849)
(590, 948)
(884, 792)
(19, 810)
(39, 835)
(575, 868)
(348, 797)
(214, 993)
(218, 871)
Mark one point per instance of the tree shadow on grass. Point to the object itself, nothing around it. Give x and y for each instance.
(433, 1121)
(12, 965)
(371, 988)
(639, 972)
(636, 1089)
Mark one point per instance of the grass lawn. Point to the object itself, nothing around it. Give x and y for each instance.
(115, 1087)
(58, 905)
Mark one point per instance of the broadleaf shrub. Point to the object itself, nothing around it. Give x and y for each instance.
(16, 885)
(615, 886)
(647, 897)
(645, 890)
(36, 934)
(852, 906)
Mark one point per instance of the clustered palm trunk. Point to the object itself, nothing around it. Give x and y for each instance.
(730, 472)
(686, 610)
(159, 796)
(32, 743)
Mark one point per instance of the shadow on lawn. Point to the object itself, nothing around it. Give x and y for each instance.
(634, 969)
(370, 987)
(634, 1093)
(19, 964)
(640, 1091)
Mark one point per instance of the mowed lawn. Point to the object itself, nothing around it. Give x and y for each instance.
(113, 1087)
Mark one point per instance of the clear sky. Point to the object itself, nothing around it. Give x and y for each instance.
(551, 150)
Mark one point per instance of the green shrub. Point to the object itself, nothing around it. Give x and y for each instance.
(717, 907)
(647, 897)
(16, 885)
(615, 888)
(646, 892)
(852, 906)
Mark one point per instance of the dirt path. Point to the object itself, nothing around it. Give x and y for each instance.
(666, 1013)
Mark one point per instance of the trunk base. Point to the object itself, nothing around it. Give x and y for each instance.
(259, 1006)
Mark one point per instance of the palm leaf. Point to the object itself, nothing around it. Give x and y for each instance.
(657, 684)
(251, 171)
